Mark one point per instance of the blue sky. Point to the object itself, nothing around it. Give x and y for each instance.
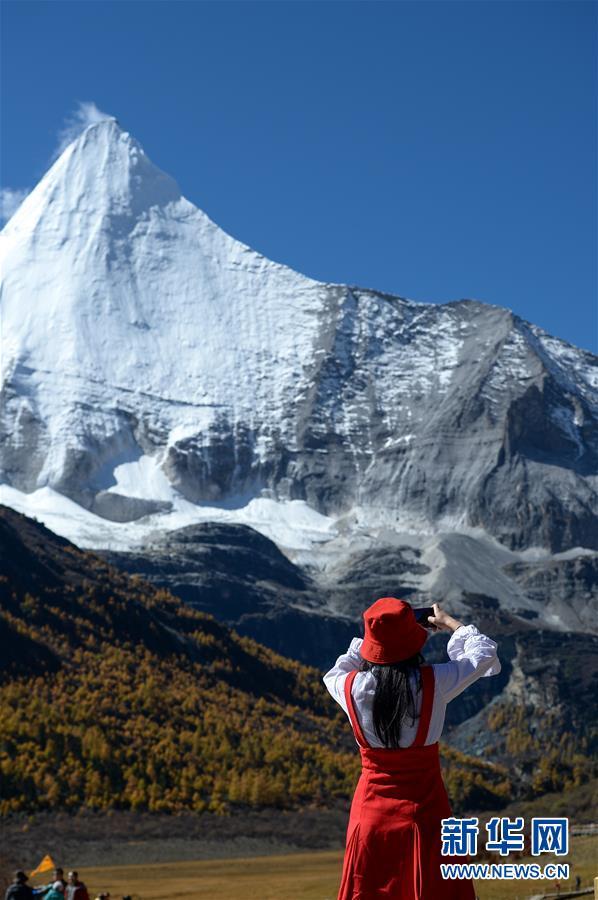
(435, 150)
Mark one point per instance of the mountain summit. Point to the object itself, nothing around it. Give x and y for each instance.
(103, 173)
(156, 371)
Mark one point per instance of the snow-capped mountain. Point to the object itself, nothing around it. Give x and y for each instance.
(157, 372)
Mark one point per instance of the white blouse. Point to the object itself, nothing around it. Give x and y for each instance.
(472, 655)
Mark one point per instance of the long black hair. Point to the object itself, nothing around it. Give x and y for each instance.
(394, 699)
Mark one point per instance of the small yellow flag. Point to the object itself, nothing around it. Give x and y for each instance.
(45, 865)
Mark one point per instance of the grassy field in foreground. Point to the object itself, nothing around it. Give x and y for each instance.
(298, 876)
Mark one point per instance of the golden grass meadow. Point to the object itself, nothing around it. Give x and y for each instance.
(297, 876)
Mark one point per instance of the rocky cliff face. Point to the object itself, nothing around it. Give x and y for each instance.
(311, 613)
(542, 721)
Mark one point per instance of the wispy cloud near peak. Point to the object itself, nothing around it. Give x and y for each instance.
(86, 113)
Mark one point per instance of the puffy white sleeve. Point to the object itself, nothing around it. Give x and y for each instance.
(472, 655)
(335, 678)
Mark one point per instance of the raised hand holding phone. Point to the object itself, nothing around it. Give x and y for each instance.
(421, 614)
(442, 620)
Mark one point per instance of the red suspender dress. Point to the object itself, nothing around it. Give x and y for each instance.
(394, 834)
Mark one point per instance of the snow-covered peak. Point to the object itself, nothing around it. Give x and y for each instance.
(104, 171)
(148, 356)
(118, 293)
(105, 181)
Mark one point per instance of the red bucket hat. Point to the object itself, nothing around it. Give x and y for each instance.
(391, 632)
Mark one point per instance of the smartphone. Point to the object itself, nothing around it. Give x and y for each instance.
(421, 616)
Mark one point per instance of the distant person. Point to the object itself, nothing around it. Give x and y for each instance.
(56, 891)
(57, 884)
(19, 889)
(577, 882)
(396, 705)
(75, 889)
(59, 876)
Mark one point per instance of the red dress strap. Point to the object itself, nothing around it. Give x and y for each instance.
(351, 709)
(428, 685)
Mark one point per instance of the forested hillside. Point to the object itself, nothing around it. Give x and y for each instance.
(116, 695)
